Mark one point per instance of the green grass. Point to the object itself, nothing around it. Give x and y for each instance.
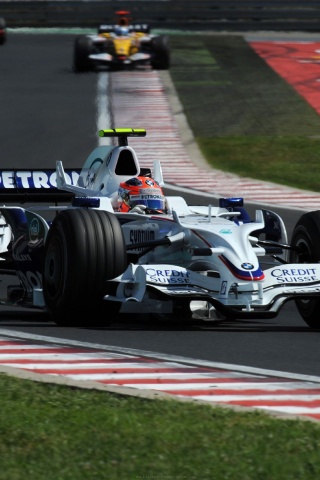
(292, 161)
(54, 432)
(246, 119)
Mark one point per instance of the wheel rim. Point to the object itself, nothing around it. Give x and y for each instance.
(53, 271)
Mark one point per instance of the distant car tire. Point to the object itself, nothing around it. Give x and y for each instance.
(83, 47)
(3, 34)
(306, 237)
(109, 47)
(83, 250)
(160, 57)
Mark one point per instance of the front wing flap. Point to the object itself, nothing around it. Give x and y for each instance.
(107, 58)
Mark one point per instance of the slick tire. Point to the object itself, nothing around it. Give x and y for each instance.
(83, 47)
(160, 59)
(83, 250)
(3, 37)
(306, 239)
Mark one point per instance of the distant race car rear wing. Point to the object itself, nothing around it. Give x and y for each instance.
(31, 185)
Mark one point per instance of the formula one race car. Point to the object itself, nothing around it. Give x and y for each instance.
(3, 31)
(121, 246)
(121, 46)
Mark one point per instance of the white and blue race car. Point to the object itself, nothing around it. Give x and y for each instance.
(87, 261)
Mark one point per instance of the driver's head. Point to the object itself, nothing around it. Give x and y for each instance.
(121, 31)
(141, 191)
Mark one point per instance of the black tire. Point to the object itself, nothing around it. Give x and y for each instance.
(83, 249)
(83, 47)
(160, 59)
(306, 236)
(109, 47)
(3, 36)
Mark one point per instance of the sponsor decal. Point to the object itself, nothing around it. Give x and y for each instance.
(34, 230)
(33, 179)
(167, 276)
(23, 257)
(30, 280)
(150, 183)
(294, 275)
(223, 288)
(225, 231)
(149, 191)
(301, 291)
(138, 236)
(247, 266)
(255, 275)
(91, 174)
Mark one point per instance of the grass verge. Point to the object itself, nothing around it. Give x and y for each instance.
(291, 161)
(245, 118)
(62, 433)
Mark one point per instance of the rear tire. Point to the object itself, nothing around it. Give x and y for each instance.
(83, 47)
(83, 250)
(306, 236)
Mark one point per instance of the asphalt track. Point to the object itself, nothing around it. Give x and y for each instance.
(48, 113)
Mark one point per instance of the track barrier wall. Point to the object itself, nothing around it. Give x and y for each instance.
(220, 15)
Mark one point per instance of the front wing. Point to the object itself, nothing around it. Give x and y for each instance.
(241, 299)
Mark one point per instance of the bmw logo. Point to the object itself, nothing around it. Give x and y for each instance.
(247, 266)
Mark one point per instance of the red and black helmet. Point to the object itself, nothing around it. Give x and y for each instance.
(141, 191)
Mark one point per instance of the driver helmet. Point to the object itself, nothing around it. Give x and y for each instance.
(141, 191)
(121, 31)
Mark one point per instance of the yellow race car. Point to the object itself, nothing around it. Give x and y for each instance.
(119, 46)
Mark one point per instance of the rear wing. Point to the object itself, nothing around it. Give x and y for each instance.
(122, 134)
(34, 185)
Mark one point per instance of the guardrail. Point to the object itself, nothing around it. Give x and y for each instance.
(220, 15)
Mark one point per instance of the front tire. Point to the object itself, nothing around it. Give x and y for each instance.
(306, 239)
(83, 47)
(160, 53)
(3, 35)
(83, 250)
